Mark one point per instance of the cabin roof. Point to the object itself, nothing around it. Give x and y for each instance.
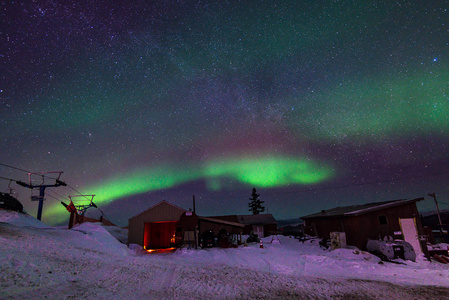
(260, 219)
(355, 210)
(163, 202)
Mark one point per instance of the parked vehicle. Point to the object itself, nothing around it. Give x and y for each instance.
(207, 239)
(253, 238)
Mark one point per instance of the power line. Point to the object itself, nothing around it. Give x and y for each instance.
(15, 168)
(50, 195)
(43, 175)
(29, 172)
(52, 191)
(6, 178)
(57, 179)
(76, 191)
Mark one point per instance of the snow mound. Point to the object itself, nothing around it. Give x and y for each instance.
(95, 236)
(20, 219)
(87, 262)
(117, 232)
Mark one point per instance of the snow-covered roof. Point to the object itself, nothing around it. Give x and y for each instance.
(355, 210)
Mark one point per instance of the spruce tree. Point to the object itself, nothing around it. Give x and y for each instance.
(255, 205)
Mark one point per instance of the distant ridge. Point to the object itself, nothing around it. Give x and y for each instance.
(289, 222)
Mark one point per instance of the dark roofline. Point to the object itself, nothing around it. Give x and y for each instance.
(240, 219)
(363, 208)
(250, 215)
(213, 220)
(383, 206)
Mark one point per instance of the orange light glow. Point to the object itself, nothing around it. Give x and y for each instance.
(165, 250)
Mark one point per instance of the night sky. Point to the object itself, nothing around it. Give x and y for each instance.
(316, 104)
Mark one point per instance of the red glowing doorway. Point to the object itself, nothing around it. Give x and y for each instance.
(159, 235)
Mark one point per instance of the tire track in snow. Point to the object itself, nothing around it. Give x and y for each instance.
(169, 275)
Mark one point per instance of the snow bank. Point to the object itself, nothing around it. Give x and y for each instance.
(95, 236)
(38, 261)
(291, 257)
(20, 219)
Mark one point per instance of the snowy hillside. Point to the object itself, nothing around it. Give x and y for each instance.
(38, 261)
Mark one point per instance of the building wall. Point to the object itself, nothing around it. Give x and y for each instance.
(360, 228)
(269, 229)
(159, 213)
(216, 227)
(325, 226)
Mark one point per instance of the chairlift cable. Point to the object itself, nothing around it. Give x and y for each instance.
(26, 171)
(51, 196)
(52, 191)
(102, 212)
(6, 178)
(79, 193)
(19, 169)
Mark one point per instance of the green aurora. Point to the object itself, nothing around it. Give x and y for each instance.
(265, 171)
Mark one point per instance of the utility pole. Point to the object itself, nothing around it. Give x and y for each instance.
(439, 217)
(436, 204)
(41, 188)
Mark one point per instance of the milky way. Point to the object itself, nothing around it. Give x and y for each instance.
(315, 103)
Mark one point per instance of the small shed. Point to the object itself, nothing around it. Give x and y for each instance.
(163, 224)
(155, 228)
(361, 223)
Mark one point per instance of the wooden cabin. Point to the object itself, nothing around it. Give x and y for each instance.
(360, 223)
(155, 228)
(164, 224)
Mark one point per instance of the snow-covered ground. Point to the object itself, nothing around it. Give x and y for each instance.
(38, 261)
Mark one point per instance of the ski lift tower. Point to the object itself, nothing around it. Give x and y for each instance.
(42, 186)
(82, 208)
(79, 210)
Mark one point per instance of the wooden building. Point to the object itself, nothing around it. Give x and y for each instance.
(190, 222)
(163, 224)
(261, 224)
(155, 227)
(216, 225)
(368, 221)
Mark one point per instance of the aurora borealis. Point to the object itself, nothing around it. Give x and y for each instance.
(317, 104)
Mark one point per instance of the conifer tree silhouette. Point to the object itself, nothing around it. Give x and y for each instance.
(255, 205)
